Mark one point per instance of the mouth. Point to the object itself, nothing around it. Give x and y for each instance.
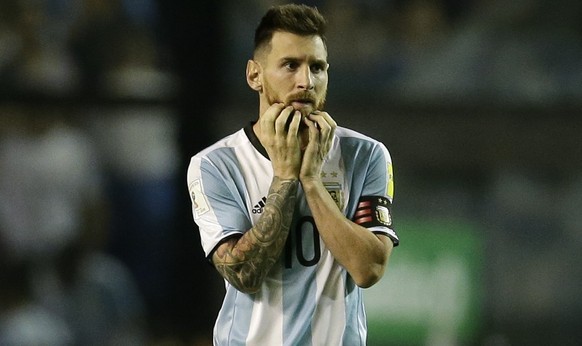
(302, 104)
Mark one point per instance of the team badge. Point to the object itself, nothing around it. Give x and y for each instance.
(383, 215)
(373, 211)
(198, 199)
(336, 193)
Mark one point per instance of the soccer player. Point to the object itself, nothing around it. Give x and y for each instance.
(293, 211)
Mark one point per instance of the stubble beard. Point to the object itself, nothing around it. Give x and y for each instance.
(318, 104)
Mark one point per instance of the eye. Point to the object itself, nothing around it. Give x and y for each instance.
(317, 68)
(291, 65)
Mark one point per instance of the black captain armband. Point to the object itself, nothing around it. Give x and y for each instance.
(375, 211)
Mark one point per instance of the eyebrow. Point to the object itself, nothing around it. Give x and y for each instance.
(311, 61)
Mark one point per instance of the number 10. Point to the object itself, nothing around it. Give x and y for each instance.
(304, 224)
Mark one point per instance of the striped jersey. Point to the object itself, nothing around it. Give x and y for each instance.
(308, 298)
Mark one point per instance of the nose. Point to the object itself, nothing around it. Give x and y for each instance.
(305, 78)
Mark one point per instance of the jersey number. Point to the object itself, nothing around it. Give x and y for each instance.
(303, 233)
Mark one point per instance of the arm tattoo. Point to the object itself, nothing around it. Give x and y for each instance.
(247, 260)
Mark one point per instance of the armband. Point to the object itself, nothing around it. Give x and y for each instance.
(373, 211)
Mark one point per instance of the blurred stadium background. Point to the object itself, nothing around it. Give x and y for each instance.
(102, 102)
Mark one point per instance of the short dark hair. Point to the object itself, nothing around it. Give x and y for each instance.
(298, 19)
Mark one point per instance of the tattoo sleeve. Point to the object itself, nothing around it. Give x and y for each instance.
(246, 261)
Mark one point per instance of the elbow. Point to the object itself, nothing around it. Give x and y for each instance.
(368, 281)
(239, 277)
(370, 276)
(247, 289)
(247, 281)
(369, 273)
(372, 270)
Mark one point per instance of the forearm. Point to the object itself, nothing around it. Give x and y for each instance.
(246, 261)
(362, 253)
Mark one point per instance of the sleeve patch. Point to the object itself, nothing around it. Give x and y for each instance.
(198, 199)
(390, 185)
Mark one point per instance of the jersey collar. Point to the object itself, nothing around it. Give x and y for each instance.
(255, 140)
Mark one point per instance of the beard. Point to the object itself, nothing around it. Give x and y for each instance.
(317, 102)
(310, 100)
(306, 97)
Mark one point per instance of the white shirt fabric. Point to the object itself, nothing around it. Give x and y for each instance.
(307, 298)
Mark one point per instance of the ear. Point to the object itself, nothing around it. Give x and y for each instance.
(254, 71)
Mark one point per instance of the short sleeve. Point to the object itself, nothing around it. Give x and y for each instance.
(218, 205)
(374, 209)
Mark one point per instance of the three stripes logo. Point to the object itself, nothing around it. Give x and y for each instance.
(258, 208)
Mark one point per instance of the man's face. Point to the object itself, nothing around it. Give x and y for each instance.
(295, 72)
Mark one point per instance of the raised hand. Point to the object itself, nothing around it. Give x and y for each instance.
(282, 143)
(321, 128)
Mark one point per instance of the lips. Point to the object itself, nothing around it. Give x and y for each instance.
(303, 103)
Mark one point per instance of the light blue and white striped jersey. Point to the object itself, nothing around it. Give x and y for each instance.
(307, 298)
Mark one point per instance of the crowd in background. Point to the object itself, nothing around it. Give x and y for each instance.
(91, 168)
(88, 160)
(526, 51)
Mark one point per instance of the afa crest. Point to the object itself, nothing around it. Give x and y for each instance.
(336, 193)
(383, 215)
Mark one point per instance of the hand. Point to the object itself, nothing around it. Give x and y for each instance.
(321, 129)
(282, 144)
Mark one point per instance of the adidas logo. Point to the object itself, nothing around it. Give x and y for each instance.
(258, 208)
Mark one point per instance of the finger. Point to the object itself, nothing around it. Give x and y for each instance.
(267, 120)
(325, 123)
(329, 119)
(281, 120)
(313, 130)
(323, 119)
(294, 124)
